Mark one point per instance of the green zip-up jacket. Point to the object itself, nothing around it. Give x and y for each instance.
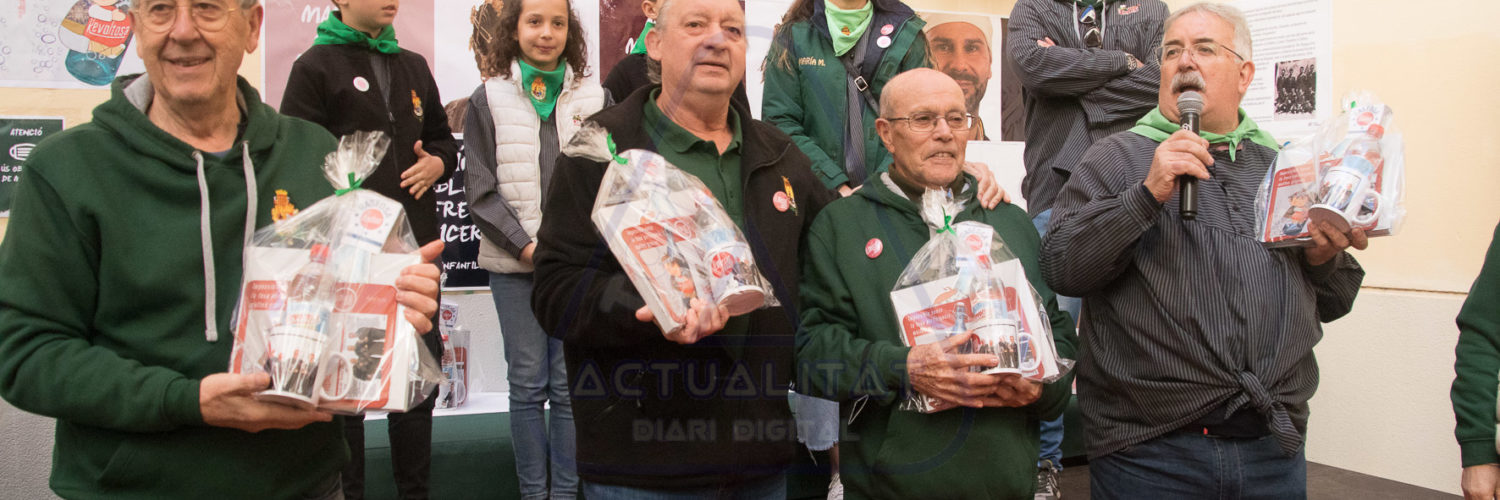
(102, 308)
(850, 347)
(1478, 364)
(806, 87)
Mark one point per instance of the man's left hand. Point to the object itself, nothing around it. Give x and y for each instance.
(990, 192)
(1015, 391)
(1328, 242)
(417, 288)
(422, 175)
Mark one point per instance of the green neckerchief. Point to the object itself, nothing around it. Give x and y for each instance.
(542, 86)
(846, 26)
(1157, 127)
(333, 31)
(640, 41)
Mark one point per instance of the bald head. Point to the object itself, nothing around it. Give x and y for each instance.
(923, 124)
(924, 85)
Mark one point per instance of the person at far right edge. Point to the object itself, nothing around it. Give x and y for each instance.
(1196, 362)
(1474, 386)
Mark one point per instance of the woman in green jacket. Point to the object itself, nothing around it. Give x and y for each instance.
(827, 55)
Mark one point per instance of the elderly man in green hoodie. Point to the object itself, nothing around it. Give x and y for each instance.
(122, 264)
(850, 348)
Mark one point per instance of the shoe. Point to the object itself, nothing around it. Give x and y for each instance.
(1046, 482)
(835, 488)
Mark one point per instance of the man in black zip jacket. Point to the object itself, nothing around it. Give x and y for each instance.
(355, 77)
(703, 410)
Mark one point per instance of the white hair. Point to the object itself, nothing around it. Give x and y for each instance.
(1228, 13)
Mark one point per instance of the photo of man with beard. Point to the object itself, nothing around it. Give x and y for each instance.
(960, 46)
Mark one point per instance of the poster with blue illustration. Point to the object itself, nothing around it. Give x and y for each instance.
(65, 44)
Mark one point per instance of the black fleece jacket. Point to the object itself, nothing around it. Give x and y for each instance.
(651, 413)
(335, 86)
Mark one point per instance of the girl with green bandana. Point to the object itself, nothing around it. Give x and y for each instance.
(357, 77)
(534, 98)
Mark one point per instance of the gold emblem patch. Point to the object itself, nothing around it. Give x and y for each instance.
(281, 206)
(538, 88)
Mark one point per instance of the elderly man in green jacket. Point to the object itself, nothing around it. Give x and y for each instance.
(850, 349)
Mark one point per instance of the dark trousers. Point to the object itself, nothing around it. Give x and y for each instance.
(411, 443)
(1191, 466)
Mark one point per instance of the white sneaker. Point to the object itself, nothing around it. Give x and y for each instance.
(835, 488)
(1047, 482)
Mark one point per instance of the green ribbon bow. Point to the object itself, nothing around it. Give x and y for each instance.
(947, 223)
(611, 139)
(353, 185)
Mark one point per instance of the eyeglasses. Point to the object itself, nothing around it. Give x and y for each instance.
(926, 122)
(207, 15)
(1201, 50)
(1092, 38)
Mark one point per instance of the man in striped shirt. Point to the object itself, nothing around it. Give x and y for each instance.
(1087, 71)
(1197, 358)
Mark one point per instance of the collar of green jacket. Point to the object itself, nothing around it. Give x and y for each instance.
(333, 31)
(878, 189)
(1157, 127)
(125, 114)
(623, 122)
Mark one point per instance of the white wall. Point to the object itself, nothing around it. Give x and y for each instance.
(1382, 406)
(27, 459)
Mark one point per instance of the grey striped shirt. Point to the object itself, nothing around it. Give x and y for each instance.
(1185, 317)
(1075, 95)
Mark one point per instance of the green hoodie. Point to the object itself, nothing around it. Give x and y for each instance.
(102, 312)
(850, 347)
(1477, 364)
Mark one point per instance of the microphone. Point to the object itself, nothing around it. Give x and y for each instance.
(1189, 106)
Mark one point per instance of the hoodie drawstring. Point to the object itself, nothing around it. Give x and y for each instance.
(205, 235)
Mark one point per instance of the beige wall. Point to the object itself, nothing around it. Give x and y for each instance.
(1382, 408)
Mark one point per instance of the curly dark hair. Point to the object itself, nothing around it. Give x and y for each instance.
(495, 44)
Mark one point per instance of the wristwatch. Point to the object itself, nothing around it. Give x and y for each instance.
(1131, 63)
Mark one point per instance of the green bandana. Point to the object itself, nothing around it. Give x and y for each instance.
(333, 31)
(542, 86)
(1158, 128)
(640, 41)
(846, 26)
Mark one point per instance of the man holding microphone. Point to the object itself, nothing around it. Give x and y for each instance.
(1197, 341)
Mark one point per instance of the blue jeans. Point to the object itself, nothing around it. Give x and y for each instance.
(773, 487)
(537, 375)
(1193, 466)
(1052, 430)
(817, 421)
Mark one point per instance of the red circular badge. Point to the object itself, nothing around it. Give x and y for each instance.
(873, 248)
(781, 201)
(722, 264)
(887, 29)
(371, 219)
